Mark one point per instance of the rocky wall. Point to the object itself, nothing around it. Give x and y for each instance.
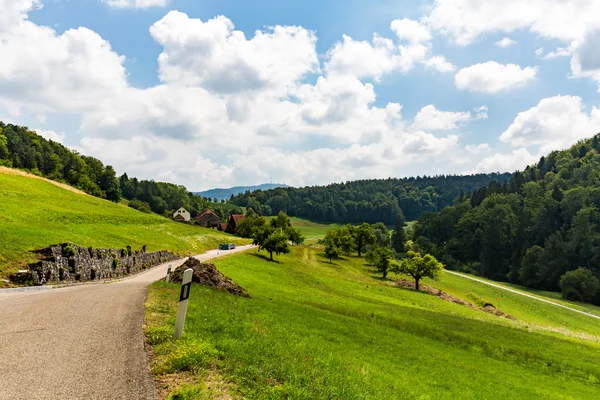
(70, 263)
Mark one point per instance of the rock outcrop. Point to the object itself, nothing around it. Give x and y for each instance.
(70, 263)
(208, 274)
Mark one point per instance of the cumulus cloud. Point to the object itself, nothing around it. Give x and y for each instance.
(559, 52)
(135, 3)
(440, 64)
(516, 160)
(48, 71)
(478, 148)
(492, 77)
(466, 20)
(574, 22)
(58, 137)
(363, 59)
(481, 112)
(430, 118)
(586, 57)
(411, 31)
(555, 123)
(226, 101)
(214, 55)
(505, 42)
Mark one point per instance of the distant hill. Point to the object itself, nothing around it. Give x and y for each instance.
(226, 193)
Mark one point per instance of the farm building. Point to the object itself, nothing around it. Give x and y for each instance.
(209, 219)
(232, 223)
(182, 215)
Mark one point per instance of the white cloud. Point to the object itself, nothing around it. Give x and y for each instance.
(492, 77)
(517, 160)
(478, 148)
(586, 57)
(58, 137)
(41, 69)
(135, 3)
(225, 102)
(440, 64)
(505, 42)
(559, 52)
(410, 31)
(574, 22)
(214, 55)
(555, 123)
(481, 112)
(466, 20)
(430, 118)
(363, 59)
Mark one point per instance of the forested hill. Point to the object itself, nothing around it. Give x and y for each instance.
(24, 149)
(372, 200)
(225, 194)
(543, 223)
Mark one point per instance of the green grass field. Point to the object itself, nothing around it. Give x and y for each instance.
(35, 213)
(315, 330)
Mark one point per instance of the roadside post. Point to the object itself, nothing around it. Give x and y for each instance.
(186, 284)
(168, 277)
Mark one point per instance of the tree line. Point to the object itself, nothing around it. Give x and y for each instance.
(24, 149)
(371, 200)
(540, 229)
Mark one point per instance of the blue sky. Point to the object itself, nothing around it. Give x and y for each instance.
(320, 102)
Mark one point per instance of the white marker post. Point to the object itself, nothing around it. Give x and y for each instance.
(186, 284)
(168, 277)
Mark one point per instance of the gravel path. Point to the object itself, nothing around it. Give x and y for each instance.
(531, 296)
(79, 342)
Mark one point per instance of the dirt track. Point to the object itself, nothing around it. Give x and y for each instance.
(80, 342)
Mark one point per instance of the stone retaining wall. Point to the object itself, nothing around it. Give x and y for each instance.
(70, 263)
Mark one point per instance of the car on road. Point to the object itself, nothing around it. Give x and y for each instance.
(227, 246)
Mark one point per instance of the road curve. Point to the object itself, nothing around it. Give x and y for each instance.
(79, 342)
(523, 294)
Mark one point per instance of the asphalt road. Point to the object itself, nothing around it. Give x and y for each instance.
(531, 296)
(79, 342)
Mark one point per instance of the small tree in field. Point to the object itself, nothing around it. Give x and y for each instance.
(363, 236)
(382, 258)
(336, 242)
(276, 242)
(419, 266)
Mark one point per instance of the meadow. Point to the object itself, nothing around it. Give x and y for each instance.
(320, 330)
(35, 213)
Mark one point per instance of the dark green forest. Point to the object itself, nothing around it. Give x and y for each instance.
(371, 200)
(540, 229)
(24, 149)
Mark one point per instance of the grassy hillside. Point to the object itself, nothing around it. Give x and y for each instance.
(35, 213)
(319, 330)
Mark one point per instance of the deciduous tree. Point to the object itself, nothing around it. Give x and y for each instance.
(419, 266)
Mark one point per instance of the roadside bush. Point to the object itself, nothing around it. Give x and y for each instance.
(129, 250)
(140, 206)
(68, 251)
(115, 261)
(580, 285)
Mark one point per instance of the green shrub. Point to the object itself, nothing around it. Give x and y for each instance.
(129, 251)
(115, 261)
(134, 260)
(68, 251)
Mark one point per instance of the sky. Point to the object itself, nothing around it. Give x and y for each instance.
(218, 93)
